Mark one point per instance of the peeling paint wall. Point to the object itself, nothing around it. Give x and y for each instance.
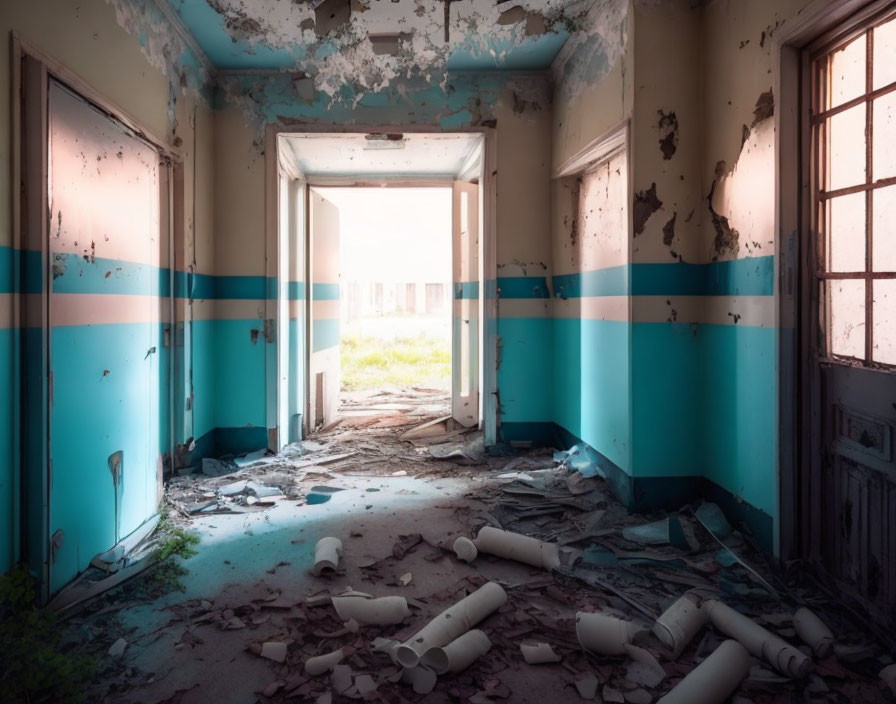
(134, 59)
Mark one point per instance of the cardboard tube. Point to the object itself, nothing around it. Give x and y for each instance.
(451, 623)
(678, 624)
(465, 549)
(888, 675)
(320, 664)
(604, 634)
(714, 679)
(813, 632)
(538, 653)
(326, 555)
(759, 642)
(459, 654)
(518, 547)
(381, 612)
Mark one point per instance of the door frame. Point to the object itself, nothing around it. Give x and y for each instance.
(30, 310)
(488, 350)
(799, 432)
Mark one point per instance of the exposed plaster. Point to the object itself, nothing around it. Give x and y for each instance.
(592, 52)
(668, 133)
(646, 204)
(765, 107)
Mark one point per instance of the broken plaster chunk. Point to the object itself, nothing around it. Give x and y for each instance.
(326, 555)
(678, 624)
(452, 623)
(385, 645)
(813, 632)
(758, 641)
(274, 650)
(365, 684)
(521, 548)
(384, 611)
(606, 635)
(465, 549)
(644, 670)
(888, 675)
(714, 679)
(118, 647)
(587, 686)
(342, 678)
(320, 664)
(536, 653)
(457, 655)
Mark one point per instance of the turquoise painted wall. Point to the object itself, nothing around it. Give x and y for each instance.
(592, 396)
(239, 373)
(667, 399)
(203, 375)
(741, 421)
(524, 376)
(8, 340)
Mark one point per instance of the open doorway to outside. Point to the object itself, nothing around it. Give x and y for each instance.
(395, 295)
(378, 248)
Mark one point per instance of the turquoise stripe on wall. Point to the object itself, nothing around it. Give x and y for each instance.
(204, 383)
(523, 287)
(74, 274)
(591, 385)
(325, 292)
(524, 376)
(325, 334)
(754, 276)
(466, 290)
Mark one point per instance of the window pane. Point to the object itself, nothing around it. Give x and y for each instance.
(884, 147)
(847, 306)
(885, 321)
(884, 208)
(847, 71)
(846, 233)
(885, 54)
(846, 150)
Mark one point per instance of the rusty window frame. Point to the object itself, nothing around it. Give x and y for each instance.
(820, 56)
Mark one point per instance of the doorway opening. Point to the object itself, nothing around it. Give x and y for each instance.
(395, 295)
(377, 242)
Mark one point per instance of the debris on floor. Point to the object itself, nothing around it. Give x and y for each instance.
(534, 585)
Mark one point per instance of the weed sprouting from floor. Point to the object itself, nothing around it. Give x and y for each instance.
(174, 542)
(33, 665)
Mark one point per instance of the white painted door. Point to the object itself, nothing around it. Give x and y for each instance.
(325, 295)
(465, 317)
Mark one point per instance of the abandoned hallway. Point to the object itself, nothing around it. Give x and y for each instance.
(664, 469)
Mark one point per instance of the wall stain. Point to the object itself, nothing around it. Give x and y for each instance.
(669, 230)
(668, 127)
(727, 238)
(646, 204)
(765, 107)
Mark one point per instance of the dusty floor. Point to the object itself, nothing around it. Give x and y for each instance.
(398, 511)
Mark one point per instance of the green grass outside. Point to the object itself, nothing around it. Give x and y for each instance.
(371, 362)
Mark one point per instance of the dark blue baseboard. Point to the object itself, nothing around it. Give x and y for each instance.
(227, 441)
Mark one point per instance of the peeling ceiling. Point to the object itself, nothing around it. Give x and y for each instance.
(325, 38)
(359, 155)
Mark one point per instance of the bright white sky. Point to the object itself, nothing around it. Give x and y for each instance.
(394, 234)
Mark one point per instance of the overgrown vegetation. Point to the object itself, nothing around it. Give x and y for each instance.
(370, 362)
(174, 542)
(33, 666)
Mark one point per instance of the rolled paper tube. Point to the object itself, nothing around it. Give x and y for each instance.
(888, 675)
(607, 635)
(452, 623)
(538, 653)
(758, 641)
(465, 549)
(678, 624)
(521, 548)
(813, 632)
(383, 611)
(459, 654)
(326, 555)
(714, 679)
(320, 664)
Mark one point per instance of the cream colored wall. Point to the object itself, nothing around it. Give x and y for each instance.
(239, 196)
(667, 64)
(523, 183)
